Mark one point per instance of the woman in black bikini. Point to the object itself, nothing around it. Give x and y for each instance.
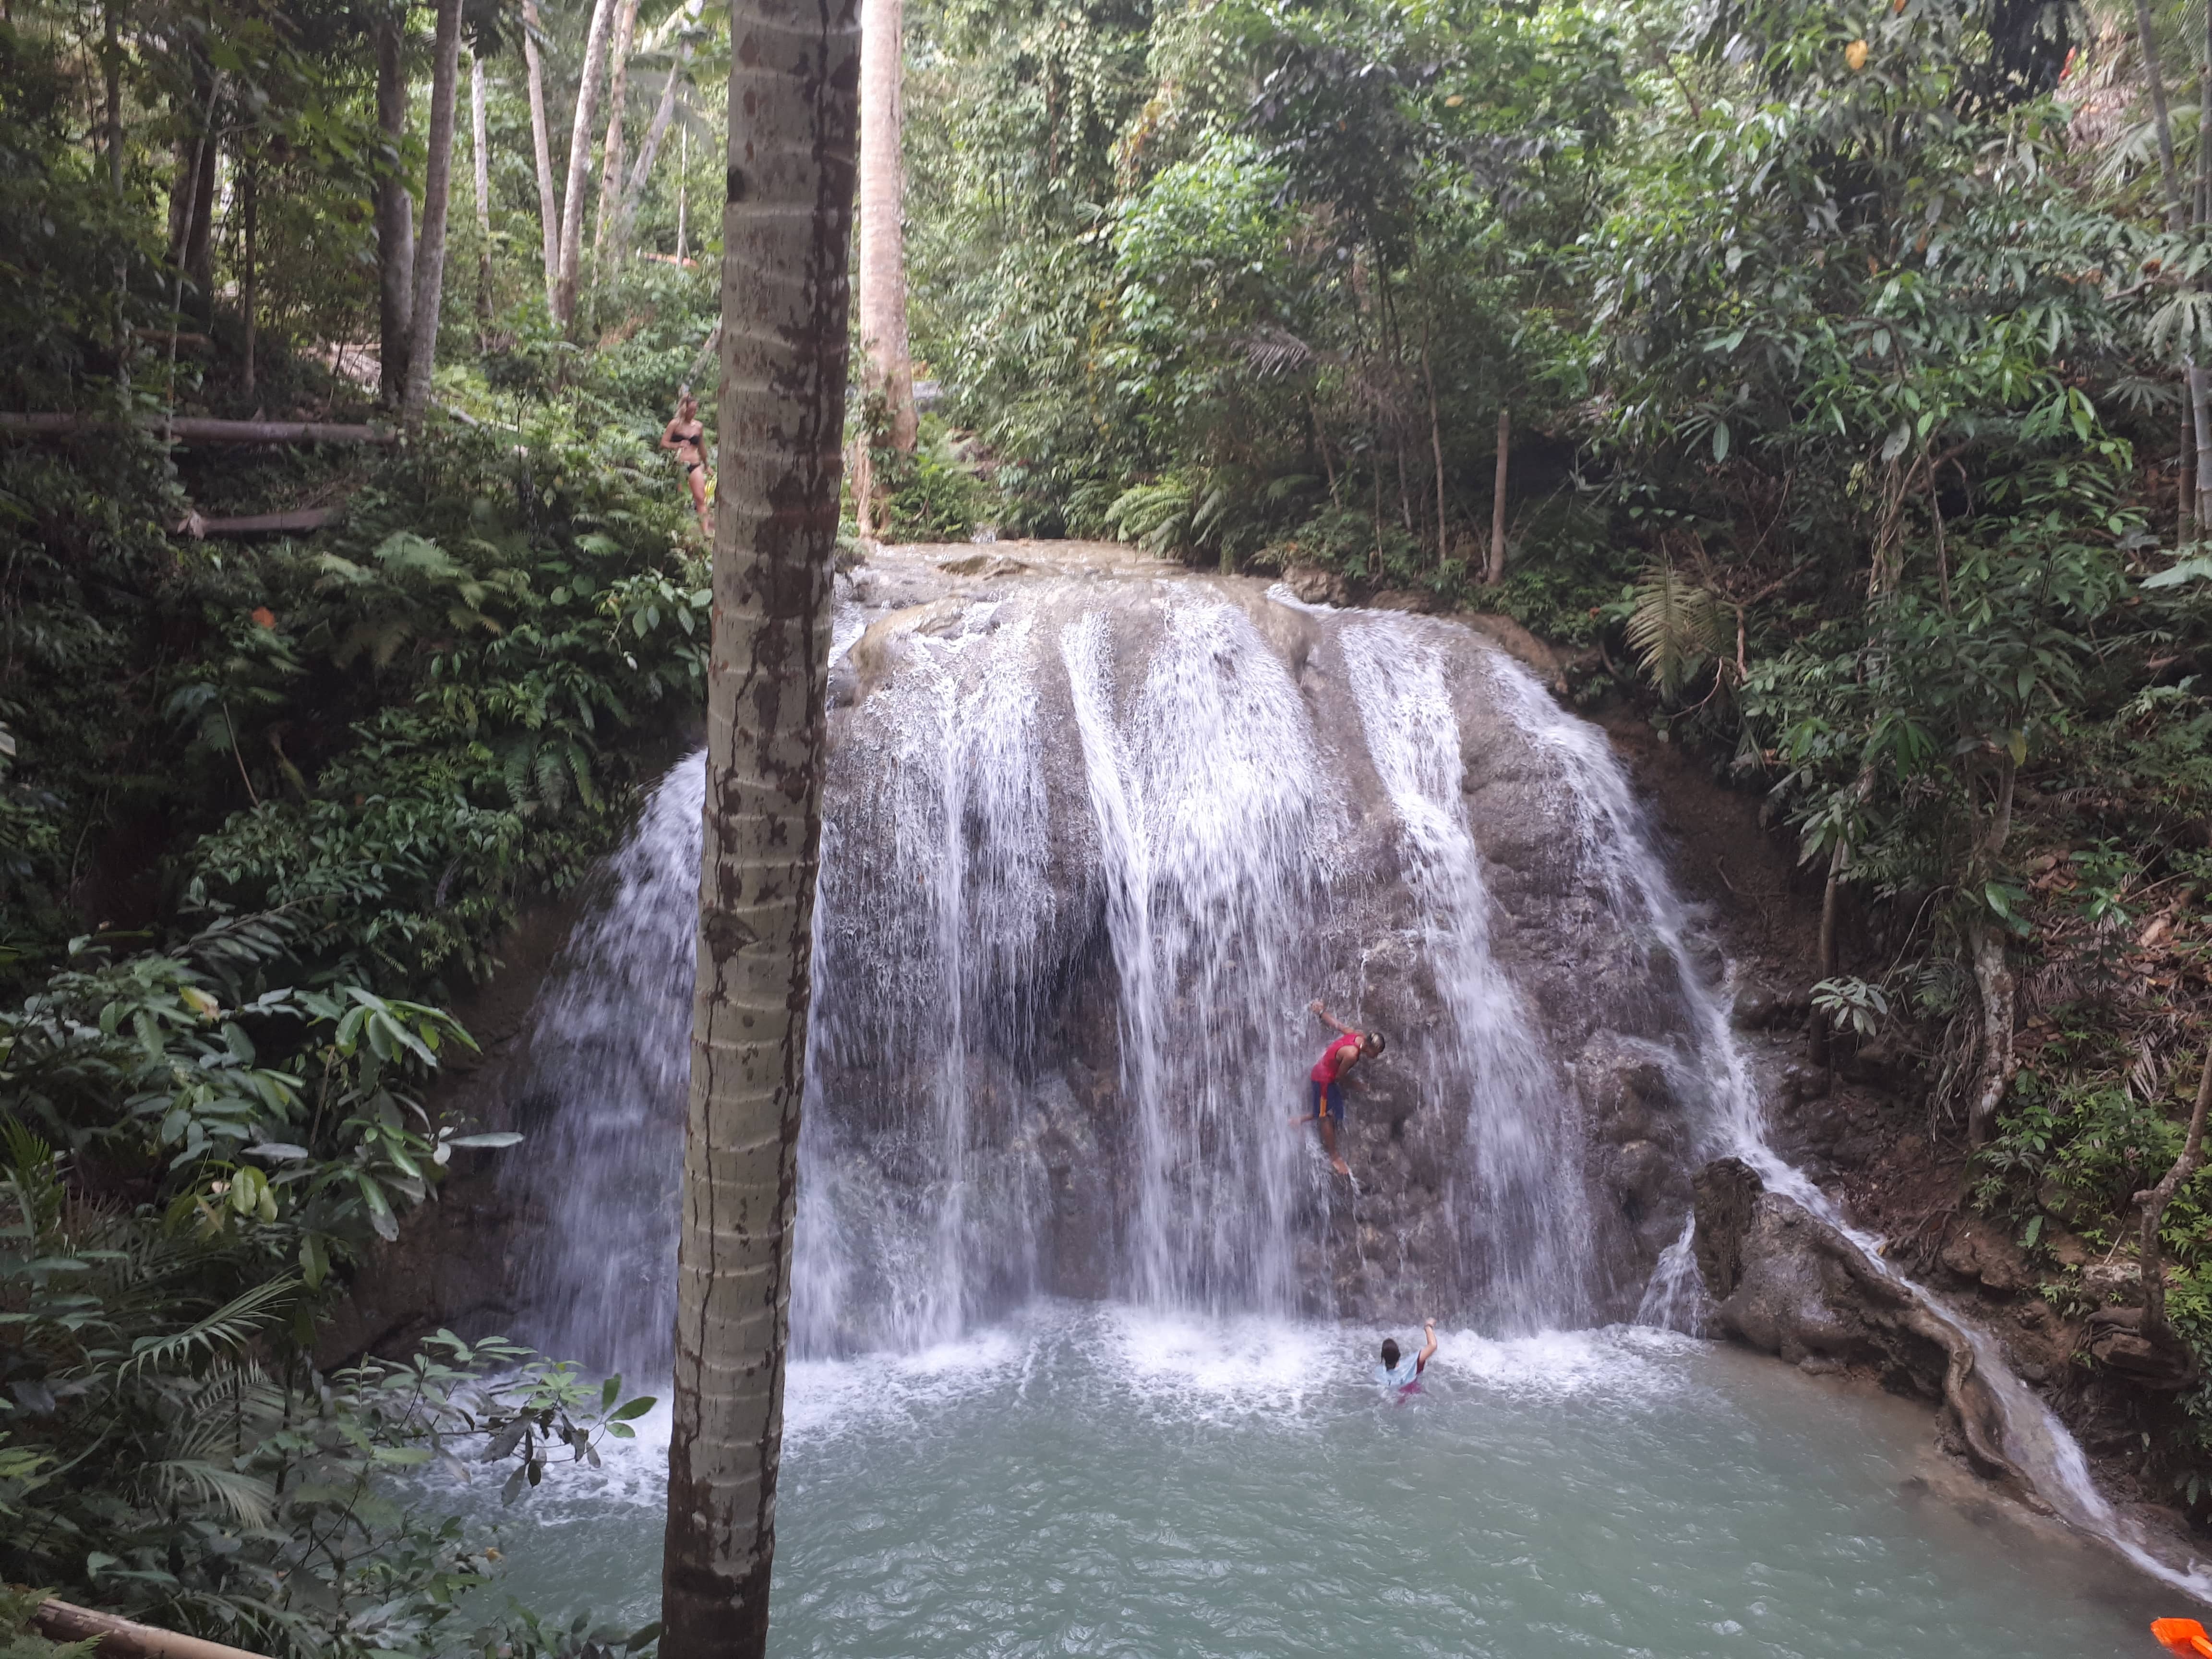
(687, 436)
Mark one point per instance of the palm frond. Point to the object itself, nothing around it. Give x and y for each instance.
(229, 1327)
(1676, 628)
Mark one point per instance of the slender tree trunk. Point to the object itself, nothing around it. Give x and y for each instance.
(617, 107)
(2147, 39)
(2200, 418)
(888, 369)
(2203, 201)
(1993, 975)
(199, 241)
(786, 230)
(1496, 573)
(2154, 1202)
(1436, 444)
(580, 162)
(2185, 489)
(478, 123)
(249, 192)
(649, 152)
(111, 69)
(682, 181)
(395, 212)
(549, 200)
(437, 198)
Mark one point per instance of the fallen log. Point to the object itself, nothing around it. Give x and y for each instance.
(125, 1639)
(258, 524)
(204, 429)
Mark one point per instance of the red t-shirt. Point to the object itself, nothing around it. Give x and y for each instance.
(1326, 1068)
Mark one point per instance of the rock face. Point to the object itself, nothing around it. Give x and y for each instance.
(1790, 1284)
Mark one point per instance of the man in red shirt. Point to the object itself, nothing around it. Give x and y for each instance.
(1330, 1075)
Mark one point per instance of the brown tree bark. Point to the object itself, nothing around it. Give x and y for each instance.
(395, 211)
(580, 162)
(617, 107)
(787, 224)
(437, 198)
(888, 369)
(548, 199)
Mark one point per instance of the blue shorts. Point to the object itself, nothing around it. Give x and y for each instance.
(1334, 1092)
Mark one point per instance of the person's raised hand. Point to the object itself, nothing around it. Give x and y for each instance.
(1314, 1006)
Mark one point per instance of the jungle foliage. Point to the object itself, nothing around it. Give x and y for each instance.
(270, 806)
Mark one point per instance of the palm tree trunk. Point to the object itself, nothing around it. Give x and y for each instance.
(890, 365)
(617, 94)
(549, 200)
(786, 233)
(437, 198)
(395, 214)
(477, 124)
(580, 162)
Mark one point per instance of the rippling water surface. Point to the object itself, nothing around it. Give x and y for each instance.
(1090, 1481)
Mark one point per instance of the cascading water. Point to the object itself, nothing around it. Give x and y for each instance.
(1089, 846)
(1528, 1210)
(1209, 805)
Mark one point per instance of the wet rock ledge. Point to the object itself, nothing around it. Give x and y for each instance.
(1788, 1283)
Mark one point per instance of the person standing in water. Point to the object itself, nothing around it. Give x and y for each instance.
(1328, 1078)
(1405, 1375)
(687, 436)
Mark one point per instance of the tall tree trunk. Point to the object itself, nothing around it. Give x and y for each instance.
(579, 160)
(786, 228)
(889, 368)
(549, 200)
(477, 124)
(395, 211)
(1496, 573)
(199, 239)
(617, 107)
(437, 197)
(641, 170)
(2200, 418)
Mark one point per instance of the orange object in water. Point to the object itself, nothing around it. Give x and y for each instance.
(2183, 1636)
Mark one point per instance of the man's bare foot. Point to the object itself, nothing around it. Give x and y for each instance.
(1339, 1166)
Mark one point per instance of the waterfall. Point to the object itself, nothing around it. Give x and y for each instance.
(610, 1062)
(1530, 1212)
(1089, 846)
(1207, 794)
